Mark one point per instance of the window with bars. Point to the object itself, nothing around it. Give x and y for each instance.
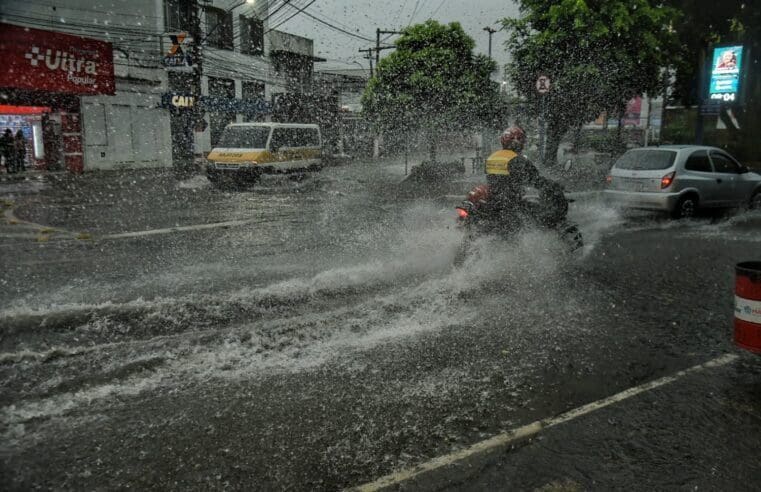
(178, 15)
(251, 36)
(219, 28)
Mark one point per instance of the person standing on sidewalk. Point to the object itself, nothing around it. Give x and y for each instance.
(19, 151)
(6, 149)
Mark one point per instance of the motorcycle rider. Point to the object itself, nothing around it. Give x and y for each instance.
(508, 173)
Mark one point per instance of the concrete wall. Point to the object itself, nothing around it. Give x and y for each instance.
(283, 41)
(127, 130)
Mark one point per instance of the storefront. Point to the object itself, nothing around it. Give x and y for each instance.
(43, 77)
(29, 121)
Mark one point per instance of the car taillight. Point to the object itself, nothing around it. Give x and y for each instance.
(609, 179)
(667, 180)
(462, 213)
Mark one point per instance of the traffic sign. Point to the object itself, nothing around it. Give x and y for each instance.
(543, 84)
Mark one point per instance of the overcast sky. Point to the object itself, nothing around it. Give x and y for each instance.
(364, 16)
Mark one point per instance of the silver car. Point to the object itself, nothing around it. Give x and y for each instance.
(680, 179)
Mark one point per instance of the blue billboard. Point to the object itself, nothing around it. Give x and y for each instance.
(726, 69)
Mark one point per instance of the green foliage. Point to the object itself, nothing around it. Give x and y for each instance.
(598, 54)
(431, 81)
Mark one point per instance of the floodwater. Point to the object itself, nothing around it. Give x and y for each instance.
(331, 274)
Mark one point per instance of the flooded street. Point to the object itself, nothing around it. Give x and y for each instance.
(315, 334)
(380, 246)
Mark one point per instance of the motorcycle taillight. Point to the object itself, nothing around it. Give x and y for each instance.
(462, 213)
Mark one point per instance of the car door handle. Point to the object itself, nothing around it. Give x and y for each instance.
(718, 180)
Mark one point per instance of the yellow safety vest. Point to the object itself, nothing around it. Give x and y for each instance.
(499, 162)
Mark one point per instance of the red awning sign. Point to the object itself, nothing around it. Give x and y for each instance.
(8, 109)
(34, 59)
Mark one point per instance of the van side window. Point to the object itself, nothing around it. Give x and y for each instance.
(723, 164)
(295, 137)
(698, 161)
(279, 138)
(308, 137)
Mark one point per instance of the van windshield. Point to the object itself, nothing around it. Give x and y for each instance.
(646, 160)
(244, 137)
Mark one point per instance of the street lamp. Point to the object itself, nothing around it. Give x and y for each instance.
(491, 31)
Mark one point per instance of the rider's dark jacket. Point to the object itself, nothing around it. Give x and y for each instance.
(508, 176)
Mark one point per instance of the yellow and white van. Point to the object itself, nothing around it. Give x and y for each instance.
(245, 151)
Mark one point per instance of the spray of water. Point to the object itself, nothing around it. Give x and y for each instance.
(402, 286)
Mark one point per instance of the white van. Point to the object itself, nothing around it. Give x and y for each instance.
(245, 151)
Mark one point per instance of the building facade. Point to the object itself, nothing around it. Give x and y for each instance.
(143, 120)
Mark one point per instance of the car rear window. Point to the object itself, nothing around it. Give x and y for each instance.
(646, 160)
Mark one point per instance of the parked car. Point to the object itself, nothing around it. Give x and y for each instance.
(680, 179)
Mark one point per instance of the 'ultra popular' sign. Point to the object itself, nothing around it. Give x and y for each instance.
(34, 59)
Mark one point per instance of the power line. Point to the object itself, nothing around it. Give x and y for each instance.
(271, 13)
(292, 16)
(436, 11)
(282, 16)
(414, 11)
(89, 10)
(336, 28)
(333, 20)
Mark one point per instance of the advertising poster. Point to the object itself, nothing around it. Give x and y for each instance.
(726, 71)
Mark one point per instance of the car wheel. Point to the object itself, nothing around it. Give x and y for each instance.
(755, 201)
(685, 208)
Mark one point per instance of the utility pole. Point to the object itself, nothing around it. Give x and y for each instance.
(185, 121)
(198, 113)
(491, 31)
(369, 57)
(378, 47)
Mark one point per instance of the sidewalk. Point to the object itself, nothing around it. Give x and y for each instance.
(31, 174)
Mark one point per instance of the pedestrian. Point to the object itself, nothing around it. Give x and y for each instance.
(19, 151)
(6, 149)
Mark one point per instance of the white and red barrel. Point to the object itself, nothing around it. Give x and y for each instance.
(748, 306)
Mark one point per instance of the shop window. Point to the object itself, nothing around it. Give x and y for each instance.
(219, 28)
(251, 36)
(178, 15)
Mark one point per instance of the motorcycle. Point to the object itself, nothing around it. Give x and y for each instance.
(472, 219)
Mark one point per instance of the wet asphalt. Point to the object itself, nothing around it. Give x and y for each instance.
(326, 340)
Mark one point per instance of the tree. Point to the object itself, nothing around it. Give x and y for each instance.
(598, 54)
(432, 82)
